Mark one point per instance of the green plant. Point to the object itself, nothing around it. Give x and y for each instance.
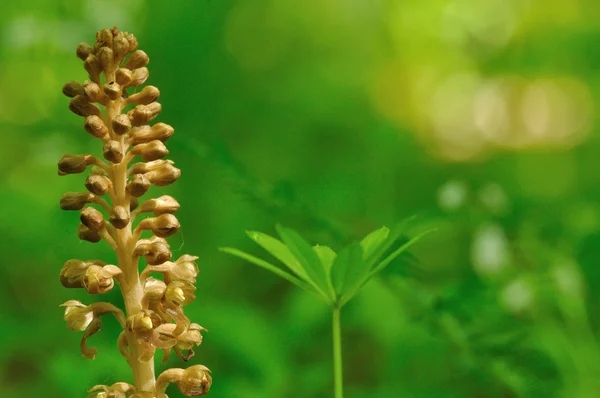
(334, 278)
(153, 317)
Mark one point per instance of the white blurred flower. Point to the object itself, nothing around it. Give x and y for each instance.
(517, 296)
(452, 195)
(489, 250)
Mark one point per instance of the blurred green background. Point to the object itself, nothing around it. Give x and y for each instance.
(333, 117)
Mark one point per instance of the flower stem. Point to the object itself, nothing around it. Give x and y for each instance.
(337, 354)
(143, 372)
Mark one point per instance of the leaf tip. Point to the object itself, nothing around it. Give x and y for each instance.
(281, 230)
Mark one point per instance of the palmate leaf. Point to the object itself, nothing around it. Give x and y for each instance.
(334, 278)
(348, 269)
(309, 260)
(373, 265)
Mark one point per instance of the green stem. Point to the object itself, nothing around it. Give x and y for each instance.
(337, 354)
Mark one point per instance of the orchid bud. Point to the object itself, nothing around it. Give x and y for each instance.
(74, 164)
(121, 124)
(92, 66)
(81, 106)
(138, 59)
(95, 126)
(162, 226)
(83, 51)
(162, 205)
(75, 200)
(148, 95)
(138, 185)
(94, 93)
(84, 233)
(98, 184)
(72, 88)
(119, 217)
(155, 250)
(166, 175)
(158, 253)
(92, 218)
(106, 59)
(123, 77)
(143, 134)
(139, 76)
(133, 42)
(142, 114)
(112, 90)
(104, 38)
(121, 47)
(113, 151)
(152, 150)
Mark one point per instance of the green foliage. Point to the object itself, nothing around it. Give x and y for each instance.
(333, 117)
(334, 278)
